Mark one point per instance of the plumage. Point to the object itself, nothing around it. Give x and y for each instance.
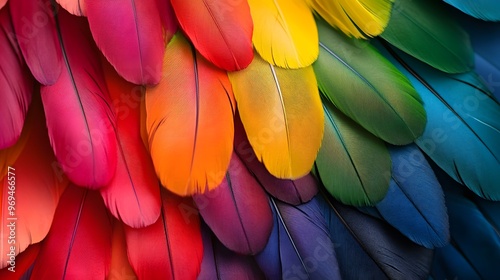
(133, 194)
(368, 88)
(35, 186)
(354, 165)
(75, 7)
(223, 264)
(237, 211)
(463, 127)
(120, 267)
(414, 203)
(79, 241)
(358, 19)
(374, 247)
(482, 9)
(299, 246)
(279, 37)
(424, 30)
(470, 258)
(293, 192)
(79, 118)
(221, 30)
(134, 25)
(2, 3)
(172, 247)
(24, 262)
(16, 84)
(168, 19)
(195, 100)
(35, 30)
(281, 115)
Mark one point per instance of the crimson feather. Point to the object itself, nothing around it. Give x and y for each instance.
(129, 34)
(120, 268)
(35, 29)
(79, 242)
(171, 248)
(24, 262)
(221, 30)
(168, 19)
(16, 84)
(79, 118)
(237, 210)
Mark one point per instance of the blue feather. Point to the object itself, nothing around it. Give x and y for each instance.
(482, 9)
(299, 246)
(414, 204)
(463, 123)
(368, 248)
(474, 250)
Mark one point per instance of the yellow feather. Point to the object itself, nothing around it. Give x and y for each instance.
(351, 16)
(282, 115)
(285, 33)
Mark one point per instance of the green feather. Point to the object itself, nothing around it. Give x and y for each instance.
(353, 164)
(367, 87)
(423, 29)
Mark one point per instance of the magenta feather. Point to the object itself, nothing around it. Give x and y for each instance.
(79, 118)
(237, 211)
(168, 19)
(16, 85)
(35, 30)
(129, 34)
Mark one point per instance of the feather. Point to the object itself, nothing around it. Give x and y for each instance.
(373, 246)
(195, 100)
(23, 263)
(299, 246)
(221, 263)
(281, 115)
(460, 114)
(133, 195)
(221, 30)
(79, 118)
(237, 211)
(354, 165)
(359, 19)
(136, 27)
(470, 258)
(414, 204)
(2, 3)
(423, 30)
(168, 19)
(368, 88)
(120, 268)
(279, 37)
(172, 247)
(75, 7)
(32, 187)
(78, 245)
(35, 30)
(16, 85)
(293, 192)
(481, 9)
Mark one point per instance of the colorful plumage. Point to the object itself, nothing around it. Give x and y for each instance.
(249, 139)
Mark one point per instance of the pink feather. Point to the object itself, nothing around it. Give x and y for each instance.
(16, 85)
(168, 19)
(2, 3)
(75, 7)
(129, 34)
(79, 118)
(35, 30)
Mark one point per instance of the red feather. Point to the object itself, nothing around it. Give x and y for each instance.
(77, 107)
(23, 263)
(238, 210)
(120, 268)
(35, 28)
(221, 30)
(2, 3)
(168, 19)
(79, 242)
(129, 34)
(36, 185)
(133, 195)
(16, 84)
(172, 247)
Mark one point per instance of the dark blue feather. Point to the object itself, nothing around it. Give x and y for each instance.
(223, 264)
(414, 204)
(463, 123)
(368, 248)
(474, 250)
(299, 246)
